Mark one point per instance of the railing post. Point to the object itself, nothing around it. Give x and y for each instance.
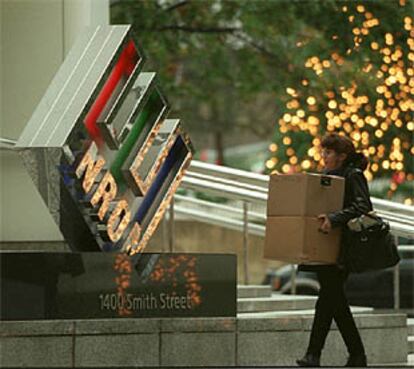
(396, 281)
(293, 280)
(171, 233)
(246, 241)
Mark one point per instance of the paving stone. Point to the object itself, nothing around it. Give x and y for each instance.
(36, 351)
(380, 320)
(198, 349)
(270, 348)
(384, 346)
(119, 350)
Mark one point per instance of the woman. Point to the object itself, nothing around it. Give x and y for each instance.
(341, 159)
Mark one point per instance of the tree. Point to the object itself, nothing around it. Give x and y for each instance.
(361, 83)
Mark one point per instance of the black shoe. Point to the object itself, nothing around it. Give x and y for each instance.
(357, 361)
(309, 360)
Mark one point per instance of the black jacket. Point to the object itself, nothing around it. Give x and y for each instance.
(356, 199)
(356, 202)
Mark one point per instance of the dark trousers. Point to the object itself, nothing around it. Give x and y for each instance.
(332, 304)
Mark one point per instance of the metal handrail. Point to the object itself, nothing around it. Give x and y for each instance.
(228, 181)
(213, 219)
(262, 180)
(218, 207)
(223, 190)
(385, 205)
(229, 173)
(398, 228)
(400, 216)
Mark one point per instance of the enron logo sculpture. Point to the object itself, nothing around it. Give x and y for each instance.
(99, 147)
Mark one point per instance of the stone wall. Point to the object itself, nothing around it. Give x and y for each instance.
(191, 342)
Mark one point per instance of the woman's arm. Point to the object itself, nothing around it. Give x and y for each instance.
(357, 201)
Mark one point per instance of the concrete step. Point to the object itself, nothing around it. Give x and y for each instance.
(410, 326)
(276, 302)
(294, 313)
(251, 291)
(411, 344)
(409, 363)
(410, 360)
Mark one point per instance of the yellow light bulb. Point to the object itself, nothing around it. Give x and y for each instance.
(332, 104)
(360, 8)
(273, 147)
(389, 39)
(312, 120)
(306, 164)
(290, 91)
(356, 136)
(326, 64)
(287, 117)
(269, 164)
(286, 168)
(290, 151)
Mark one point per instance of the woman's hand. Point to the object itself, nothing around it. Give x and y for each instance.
(326, 225)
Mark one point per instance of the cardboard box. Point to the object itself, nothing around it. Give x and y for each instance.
(292, 227)
(298, 240)
(306, 194)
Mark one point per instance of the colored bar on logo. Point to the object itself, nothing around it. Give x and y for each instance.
(172, 163)
(133, 139)
(117, 80)
(145, 167)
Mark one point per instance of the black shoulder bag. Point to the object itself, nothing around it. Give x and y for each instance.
(369, 244)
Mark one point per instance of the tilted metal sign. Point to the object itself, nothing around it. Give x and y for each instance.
(99, 147)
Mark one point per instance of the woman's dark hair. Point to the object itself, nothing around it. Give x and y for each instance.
(343, 145)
